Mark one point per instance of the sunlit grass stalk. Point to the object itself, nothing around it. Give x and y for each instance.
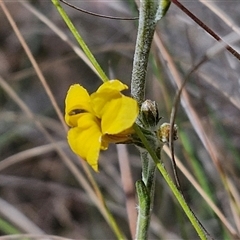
(80, 40)
(109, 216)
(7, 227)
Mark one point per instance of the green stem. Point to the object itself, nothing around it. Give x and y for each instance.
(144, 211)
(171, 184)
(145, 190)
(146, 28)
(8, 228)
(79, 39)
(148, 173)
(144, 158)
(150, 12)
(151, 180)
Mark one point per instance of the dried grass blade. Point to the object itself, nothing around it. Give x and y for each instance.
(34, 63)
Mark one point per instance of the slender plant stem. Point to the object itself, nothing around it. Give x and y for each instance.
(145, 191)
(150, 12)
(144, 158)
(146, 28)
(144, 210)
(171, 184)
(80, 40)
(148, 173)
(151, 180)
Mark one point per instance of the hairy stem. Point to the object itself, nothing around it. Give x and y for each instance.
(144, 211)
(146, 28)
(150, 12)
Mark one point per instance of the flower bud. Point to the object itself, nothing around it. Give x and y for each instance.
(163, 133)
(149, 113)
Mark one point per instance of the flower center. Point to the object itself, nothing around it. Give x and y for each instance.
(76, 111)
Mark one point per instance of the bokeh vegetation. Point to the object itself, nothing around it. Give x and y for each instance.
(39, 192)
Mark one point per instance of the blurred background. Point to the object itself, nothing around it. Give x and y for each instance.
(38, 191)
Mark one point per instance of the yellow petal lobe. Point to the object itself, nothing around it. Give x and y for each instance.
(112, 85)
(119, 115)
(76, 102)
(85, 140)
(106, 92)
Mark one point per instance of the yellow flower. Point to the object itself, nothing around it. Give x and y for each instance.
(104, 117)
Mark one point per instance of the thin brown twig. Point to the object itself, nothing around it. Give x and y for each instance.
(97, 14)
(206, 28)
(29, 154)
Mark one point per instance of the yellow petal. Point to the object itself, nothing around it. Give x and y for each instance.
(119, 115)
(76, 102)
(100, 101)
(112, 85)
(106, 92)
(85, 140)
